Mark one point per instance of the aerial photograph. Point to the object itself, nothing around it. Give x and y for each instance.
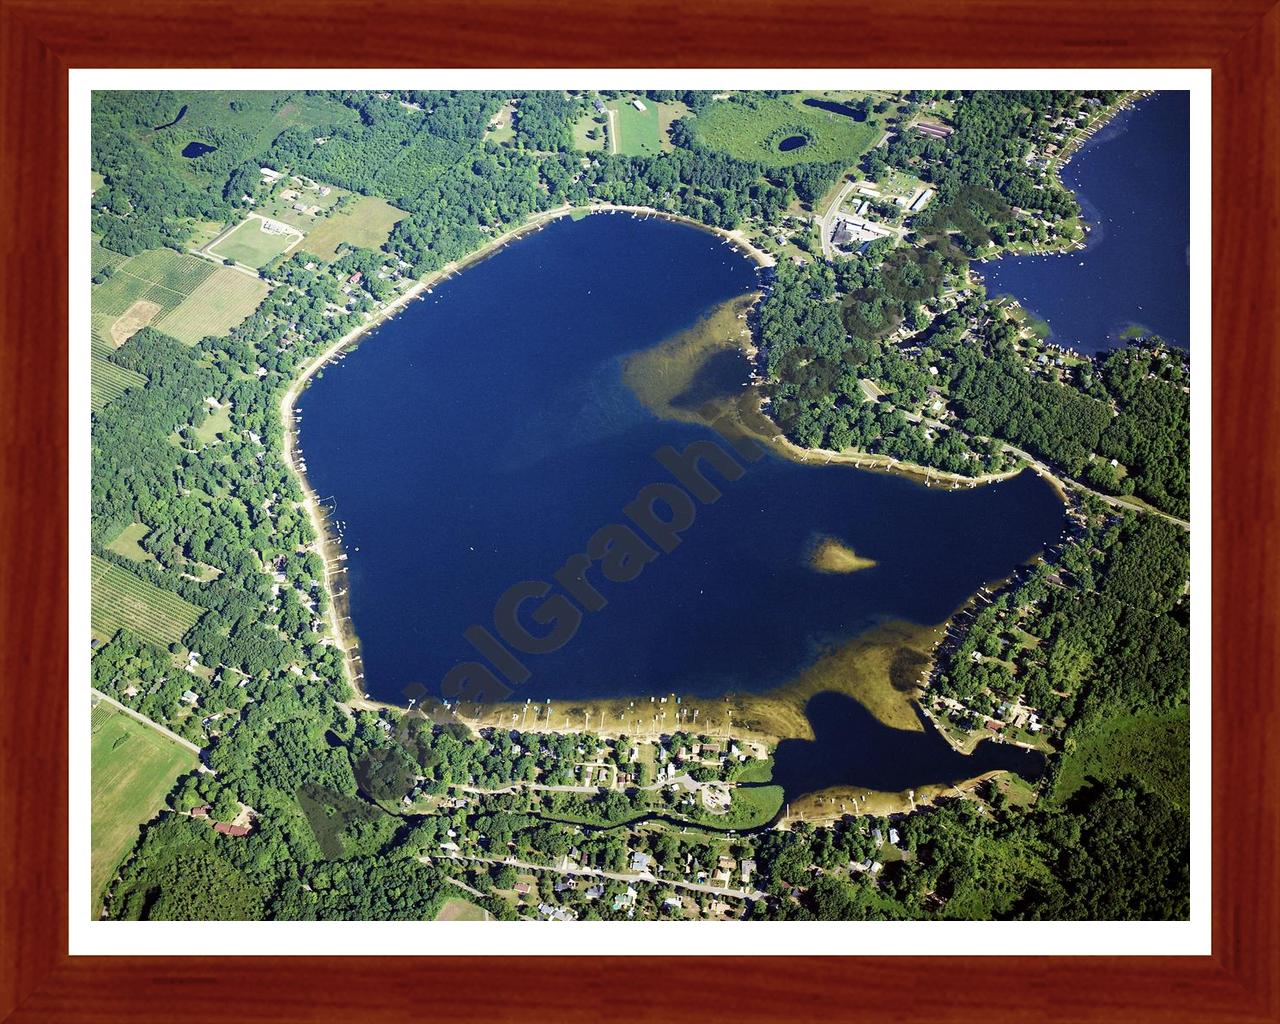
(640, 505)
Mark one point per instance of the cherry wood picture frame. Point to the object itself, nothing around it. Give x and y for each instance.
(41, 39)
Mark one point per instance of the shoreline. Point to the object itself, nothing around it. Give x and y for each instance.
(327, 546)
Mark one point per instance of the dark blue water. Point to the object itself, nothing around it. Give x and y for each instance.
(480, 439)
(791, 142)
(194, 149)
(883, 759)
(1133, 183)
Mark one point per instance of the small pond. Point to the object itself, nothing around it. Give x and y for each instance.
(194, 149)
(792, 142)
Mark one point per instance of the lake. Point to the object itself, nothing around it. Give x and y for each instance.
(849, 744)
(482, 437)
(1133, 183)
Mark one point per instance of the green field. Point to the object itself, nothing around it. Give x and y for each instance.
(1152, 747)
(126, 543)
(107, 381)
(215, 423)
(119, 598)
(580, 129)
(221, 302)
(249, 244)
(366, 224)
(639, 131)
(752, 132)
(133, 767)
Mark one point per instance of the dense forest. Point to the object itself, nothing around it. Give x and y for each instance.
(357, 814)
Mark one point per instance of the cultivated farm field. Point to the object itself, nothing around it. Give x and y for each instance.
(221, 302)
(119, 598)
(109, 381)
(133, 769)
(142, 289)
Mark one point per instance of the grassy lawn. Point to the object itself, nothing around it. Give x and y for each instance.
(109, 381)
(215, 423)
(585, 124)
(897, 183)
(119, 598)
(639, 131)
(126, 543)
(756, 771)
(366, 223)
(133, 767)
(249, 244)
(461, 910)
(220, 303)
(753, 132)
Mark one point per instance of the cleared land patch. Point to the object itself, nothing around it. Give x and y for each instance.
(216, 423)
(133, 769)
(365, 223)
(126, 543)
(639, 131)
(136, 317)
(107, 381)
(218, 304)
(754, 130)
(461, 910)
(119, 598)
(255, 242)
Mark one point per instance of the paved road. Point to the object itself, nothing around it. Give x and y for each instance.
(828, 219)
(145, 720)
(620, 876)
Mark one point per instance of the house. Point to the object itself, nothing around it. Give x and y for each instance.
(270, 176)
(878, 837)
(190, 696)
(627, 899)
(230, 830)
(200, 812)
(598, 104)
(673, 902)
(450, 847)
(594, 893)
(893, 836)
(639, 862)
(355, 278)
(638, 105)
(523, 888)
(745, 870)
